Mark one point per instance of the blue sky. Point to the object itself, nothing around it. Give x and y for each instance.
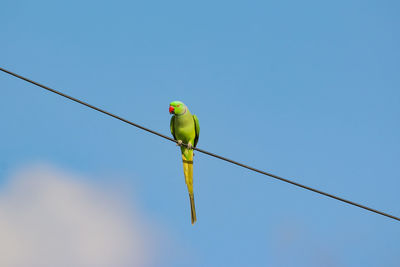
(306, 90)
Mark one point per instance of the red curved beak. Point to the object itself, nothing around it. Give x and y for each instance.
(171, 109)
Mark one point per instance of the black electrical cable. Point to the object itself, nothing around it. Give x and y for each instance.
(203, 151)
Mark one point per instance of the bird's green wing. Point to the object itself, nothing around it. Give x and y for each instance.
(172, 126)
(197, 129)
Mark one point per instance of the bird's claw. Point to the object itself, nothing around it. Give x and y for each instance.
(180, 143)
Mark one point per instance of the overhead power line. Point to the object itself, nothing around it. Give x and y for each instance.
(201, 150)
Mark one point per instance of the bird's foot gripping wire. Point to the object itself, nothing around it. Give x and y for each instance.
(189, 146)
(179, 143)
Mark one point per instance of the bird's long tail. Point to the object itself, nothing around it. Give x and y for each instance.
(187, 159)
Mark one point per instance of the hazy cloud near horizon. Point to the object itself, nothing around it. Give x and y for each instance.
(52, 218)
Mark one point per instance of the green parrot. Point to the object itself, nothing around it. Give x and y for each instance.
(185, 128)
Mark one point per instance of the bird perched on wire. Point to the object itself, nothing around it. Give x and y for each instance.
(185, 128)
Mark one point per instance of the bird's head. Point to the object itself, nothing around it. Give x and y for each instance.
(177, 108)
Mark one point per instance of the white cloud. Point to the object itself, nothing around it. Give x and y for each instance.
(51, 218)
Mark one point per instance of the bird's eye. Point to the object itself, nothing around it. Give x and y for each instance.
(178, 106)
